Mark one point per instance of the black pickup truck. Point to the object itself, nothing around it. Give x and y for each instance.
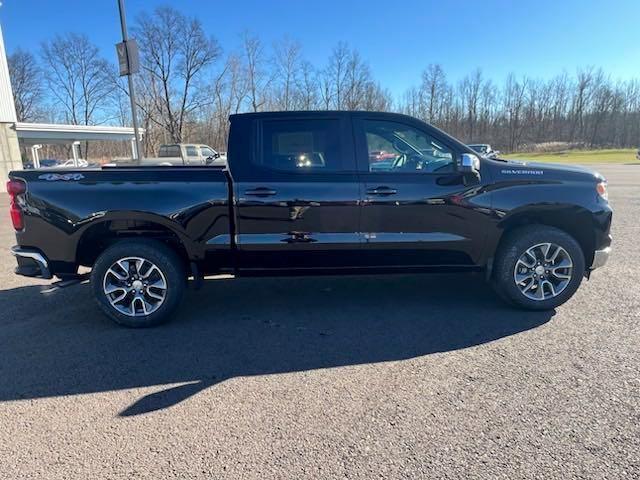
(313, 193)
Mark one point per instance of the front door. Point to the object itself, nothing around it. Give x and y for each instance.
(416, 209)
(298, 202)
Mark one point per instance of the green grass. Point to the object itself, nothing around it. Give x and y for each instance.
(621, 156)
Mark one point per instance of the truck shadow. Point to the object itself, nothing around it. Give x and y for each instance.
(59, 344)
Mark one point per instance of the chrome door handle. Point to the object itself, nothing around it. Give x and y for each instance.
(260, 192)
(381, 191)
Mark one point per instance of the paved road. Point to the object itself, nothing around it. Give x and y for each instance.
(358, 377)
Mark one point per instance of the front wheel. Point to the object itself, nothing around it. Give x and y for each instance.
(538, 267)
(138, 283)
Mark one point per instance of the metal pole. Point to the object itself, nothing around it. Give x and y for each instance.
(132, 93)
(35, 156)
(74, 150)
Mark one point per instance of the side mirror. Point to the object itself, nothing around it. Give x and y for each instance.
(469, 166)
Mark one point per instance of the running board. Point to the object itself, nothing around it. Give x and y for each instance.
(67, 282)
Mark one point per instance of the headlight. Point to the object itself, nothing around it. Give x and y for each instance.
(601, 188)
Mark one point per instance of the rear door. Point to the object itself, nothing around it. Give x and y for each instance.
(298, 194)
(416, 209)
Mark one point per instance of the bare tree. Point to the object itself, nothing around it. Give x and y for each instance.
(26, 83)
(513, 98)
(335, 73)
(229, 90)
(258, 77)
(358, 82)
(287, 64)
(581, 99)
(431, 92)
(175, 53)
(470, 88)
(78, 78)
(308, 87)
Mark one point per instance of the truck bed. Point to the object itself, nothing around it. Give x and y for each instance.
(62, 205)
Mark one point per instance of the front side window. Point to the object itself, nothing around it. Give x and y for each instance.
(395, 147)
(206, 152)
(192, 152)
(301, 146)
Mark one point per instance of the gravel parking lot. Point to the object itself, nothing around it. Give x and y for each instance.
(357, 377)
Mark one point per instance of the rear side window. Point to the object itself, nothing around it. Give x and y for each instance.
(169, 151)
(301, 146)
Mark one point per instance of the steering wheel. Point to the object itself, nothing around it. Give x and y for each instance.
(412, 163)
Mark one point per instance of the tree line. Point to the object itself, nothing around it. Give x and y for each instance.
(188, 86)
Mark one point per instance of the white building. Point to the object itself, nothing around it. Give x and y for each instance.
(9, 150)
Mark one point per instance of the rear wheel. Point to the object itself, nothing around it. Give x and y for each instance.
(138, 283)
(538, 267)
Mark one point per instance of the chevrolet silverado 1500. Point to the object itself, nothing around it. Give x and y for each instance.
(303, 194)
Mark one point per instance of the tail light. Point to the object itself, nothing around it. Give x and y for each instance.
(15, 188)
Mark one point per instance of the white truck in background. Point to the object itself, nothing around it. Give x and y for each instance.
(177, 154)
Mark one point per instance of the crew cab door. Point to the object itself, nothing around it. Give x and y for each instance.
(298, 194)
(416, 208)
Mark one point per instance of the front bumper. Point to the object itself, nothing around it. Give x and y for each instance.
(600, 257)
(31, 263)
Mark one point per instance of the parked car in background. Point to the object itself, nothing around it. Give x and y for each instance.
(484, 149)
(48, 163)
(82, 163)
(302, 195)
(55, 163)
(381, 155)
(185, 154)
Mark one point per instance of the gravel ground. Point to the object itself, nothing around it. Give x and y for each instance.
(356, 377)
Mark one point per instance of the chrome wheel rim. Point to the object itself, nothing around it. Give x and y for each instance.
(135, 286)
(543, 271)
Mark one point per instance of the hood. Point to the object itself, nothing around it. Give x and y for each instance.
(548, 170)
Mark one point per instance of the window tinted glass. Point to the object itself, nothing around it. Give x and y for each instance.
(396, 147)
(192, 152)
(206, 152)
(169, 151)
(301, 145)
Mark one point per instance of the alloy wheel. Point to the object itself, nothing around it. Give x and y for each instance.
(543, 271)
(135, 286)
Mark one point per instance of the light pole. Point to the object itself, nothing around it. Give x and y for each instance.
(132, 94)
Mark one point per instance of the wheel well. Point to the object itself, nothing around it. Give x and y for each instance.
(579, 226)
(99, 237)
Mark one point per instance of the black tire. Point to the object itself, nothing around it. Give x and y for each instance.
(516, 244)
(166, 261)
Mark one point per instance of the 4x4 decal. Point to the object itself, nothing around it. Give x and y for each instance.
(54, 177)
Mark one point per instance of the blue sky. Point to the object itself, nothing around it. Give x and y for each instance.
(397, 37)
